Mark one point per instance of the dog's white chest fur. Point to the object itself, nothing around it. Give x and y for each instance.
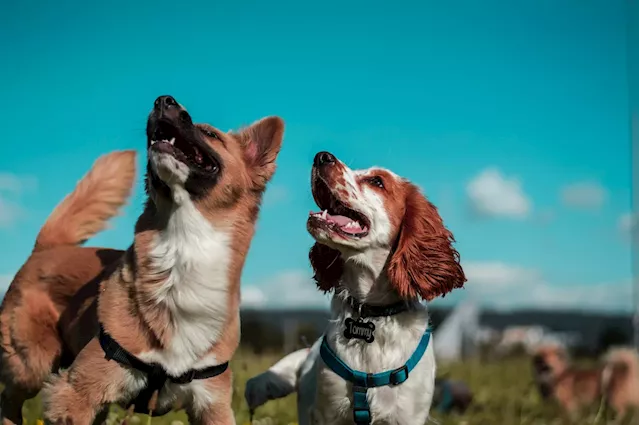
(197, 256)
(396, 338)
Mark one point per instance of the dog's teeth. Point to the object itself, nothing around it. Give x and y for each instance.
(172, 141)
(324, 214)
(153, 142)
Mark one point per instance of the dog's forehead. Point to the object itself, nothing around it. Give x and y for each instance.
(207, 126)
(371, 171)
(224, 138)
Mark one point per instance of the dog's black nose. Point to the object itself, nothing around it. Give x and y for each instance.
(323, 158)
(163, 103)
(166, 108)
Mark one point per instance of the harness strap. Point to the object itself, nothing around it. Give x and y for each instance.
(156, 375)
(362, 381)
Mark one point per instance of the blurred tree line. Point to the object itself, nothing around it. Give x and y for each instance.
(265, 331)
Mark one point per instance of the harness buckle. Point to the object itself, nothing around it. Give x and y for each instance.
(362, 416)
(186, 377)
(399, 375)
(361, 412)
(156, 377)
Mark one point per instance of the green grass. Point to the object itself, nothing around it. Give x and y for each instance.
(503, 395)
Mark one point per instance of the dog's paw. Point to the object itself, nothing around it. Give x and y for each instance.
(264, 387)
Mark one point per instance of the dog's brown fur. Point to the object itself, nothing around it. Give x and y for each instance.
(52, 310)
(572, 387)
(620, 378)
(31, 346)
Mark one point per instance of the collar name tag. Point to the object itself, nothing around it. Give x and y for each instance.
(359, 329)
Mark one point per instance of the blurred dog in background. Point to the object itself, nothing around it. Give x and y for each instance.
(614, 381)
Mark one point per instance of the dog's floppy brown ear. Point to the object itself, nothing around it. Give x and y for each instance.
(327, 266)
(424, 263)
(261, 142)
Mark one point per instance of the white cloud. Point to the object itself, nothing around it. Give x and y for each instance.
(14, 185)
(505, 286)
(275, 194)
(629, 227)
(287, 289)
(5, 281)
(9, 212)
(498, 275)
(628, 223)
(586, 195)
(253, 296)
(491, 195)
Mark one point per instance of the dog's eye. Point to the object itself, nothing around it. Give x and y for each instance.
(210, 133)
(376, 181)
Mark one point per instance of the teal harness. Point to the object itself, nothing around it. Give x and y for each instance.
(447, 398)
(363, 381)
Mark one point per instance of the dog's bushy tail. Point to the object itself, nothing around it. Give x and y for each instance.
(96, 198)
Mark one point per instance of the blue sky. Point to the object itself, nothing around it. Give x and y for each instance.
(513, 116)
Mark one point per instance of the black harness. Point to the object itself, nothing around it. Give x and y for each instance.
(157, 376)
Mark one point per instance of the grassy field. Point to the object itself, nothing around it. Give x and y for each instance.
(504, 395)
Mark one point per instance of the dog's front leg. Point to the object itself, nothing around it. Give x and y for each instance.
(323, 417)
(215, 415)
(75, 396)
(210, 403)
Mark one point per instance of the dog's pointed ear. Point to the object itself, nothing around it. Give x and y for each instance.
(261, 142)
(327, 266)
(424, 263)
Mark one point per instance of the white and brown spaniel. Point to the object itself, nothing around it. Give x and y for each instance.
(382, 248)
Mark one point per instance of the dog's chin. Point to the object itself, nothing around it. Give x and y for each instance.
(167, 178)
(170, 170)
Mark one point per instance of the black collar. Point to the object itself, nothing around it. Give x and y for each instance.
(369, 310)
(156, 375)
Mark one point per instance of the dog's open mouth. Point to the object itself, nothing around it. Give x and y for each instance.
(335, 215)
(167, 139)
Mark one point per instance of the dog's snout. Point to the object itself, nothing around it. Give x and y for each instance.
(167, 108)
(163, 103)
(540, 364)
(323, 158)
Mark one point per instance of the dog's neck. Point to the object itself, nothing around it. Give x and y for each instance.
(365, 278)
(188, 278)
(396, 336)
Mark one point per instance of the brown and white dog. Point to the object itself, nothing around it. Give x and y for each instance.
(572, 387)
(171, 300)
(379, 243)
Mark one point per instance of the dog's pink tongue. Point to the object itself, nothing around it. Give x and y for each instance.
(340, 220)
(343, 221)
